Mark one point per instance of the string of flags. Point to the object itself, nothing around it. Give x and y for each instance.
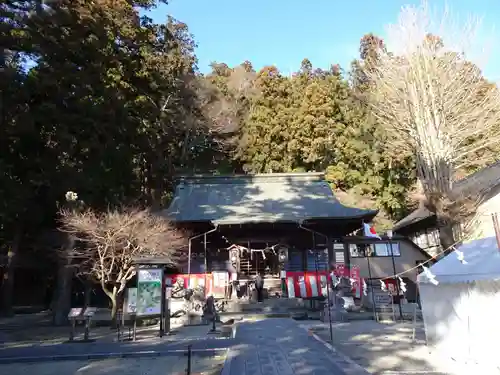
(369, 231)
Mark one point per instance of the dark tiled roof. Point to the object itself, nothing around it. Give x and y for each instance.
(273, 197)
(416, 216)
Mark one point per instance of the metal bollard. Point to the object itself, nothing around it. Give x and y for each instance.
(119, 318)
(72, 331)
(213, 322)
(134, 329)
(188, 367)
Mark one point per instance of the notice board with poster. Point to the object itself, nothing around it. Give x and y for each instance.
(149, 283)
(131, 301)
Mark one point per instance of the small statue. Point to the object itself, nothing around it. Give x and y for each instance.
(209, 308)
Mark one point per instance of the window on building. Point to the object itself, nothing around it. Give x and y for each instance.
(433, 237)
(356, 250)
(295, 261)
(378, 249)
(317, 260)
(384, 249)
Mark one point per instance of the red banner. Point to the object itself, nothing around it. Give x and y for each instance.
(357, 284)
(213, 284)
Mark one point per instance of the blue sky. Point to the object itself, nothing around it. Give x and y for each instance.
(283, 32)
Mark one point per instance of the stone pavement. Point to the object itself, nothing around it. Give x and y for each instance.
(280, 346)
(383, 348)
(147, 345)
(171, 365)
(111, 350)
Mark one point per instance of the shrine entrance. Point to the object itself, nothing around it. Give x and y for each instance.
(259, 258)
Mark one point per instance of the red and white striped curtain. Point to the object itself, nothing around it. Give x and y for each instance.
(313, 284)
(306, 284)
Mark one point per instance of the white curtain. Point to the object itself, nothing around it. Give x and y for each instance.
(461, 321)
(484, 323)
(445, 308)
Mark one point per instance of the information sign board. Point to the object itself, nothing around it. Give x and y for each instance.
(75, 312)
(131, 302)
(149, 282)
(90, 312)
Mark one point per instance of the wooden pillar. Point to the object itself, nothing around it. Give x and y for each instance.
(331, 253)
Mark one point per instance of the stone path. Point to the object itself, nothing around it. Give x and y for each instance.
(280, 346)
(383, 349)
(171, 365)
(148, 344)
(98, 350)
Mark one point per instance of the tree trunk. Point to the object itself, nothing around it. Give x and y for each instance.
(114, 310)
(87, 293)
(446, 237)
(62, 297)
(8, 277)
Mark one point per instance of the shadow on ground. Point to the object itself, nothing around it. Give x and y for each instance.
(381, 348)
(280, 346)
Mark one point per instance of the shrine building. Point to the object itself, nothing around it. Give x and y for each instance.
(288, 227)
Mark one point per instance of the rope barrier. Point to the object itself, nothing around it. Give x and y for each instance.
(421, 264)
(437, 255)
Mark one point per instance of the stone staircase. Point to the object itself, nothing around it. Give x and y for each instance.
(298, 308)
(271, 305)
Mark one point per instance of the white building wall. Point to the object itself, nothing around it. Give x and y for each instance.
(482, 226)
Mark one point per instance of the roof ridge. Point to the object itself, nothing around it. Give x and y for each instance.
(263, 177)
(476, 173)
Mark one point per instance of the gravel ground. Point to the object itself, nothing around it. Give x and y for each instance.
(148, 366)
(385, 348)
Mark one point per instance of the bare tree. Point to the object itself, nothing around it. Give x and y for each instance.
(434, 102)
(111, 241)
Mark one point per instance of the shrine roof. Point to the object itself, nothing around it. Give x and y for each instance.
(260, 198)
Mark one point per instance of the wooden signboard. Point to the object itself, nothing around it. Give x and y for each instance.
(75, 312)
(90, 312)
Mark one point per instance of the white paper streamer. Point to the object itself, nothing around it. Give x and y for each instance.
(402, 285)
(383, 286)
(430, 276)
(460, 256)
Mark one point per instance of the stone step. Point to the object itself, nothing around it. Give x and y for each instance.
(268, 305)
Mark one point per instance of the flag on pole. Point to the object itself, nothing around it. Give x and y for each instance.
(369, 231)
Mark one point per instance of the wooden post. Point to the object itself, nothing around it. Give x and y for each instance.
(496, 227)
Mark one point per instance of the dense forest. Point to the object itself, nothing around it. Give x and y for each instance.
(98, 99)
